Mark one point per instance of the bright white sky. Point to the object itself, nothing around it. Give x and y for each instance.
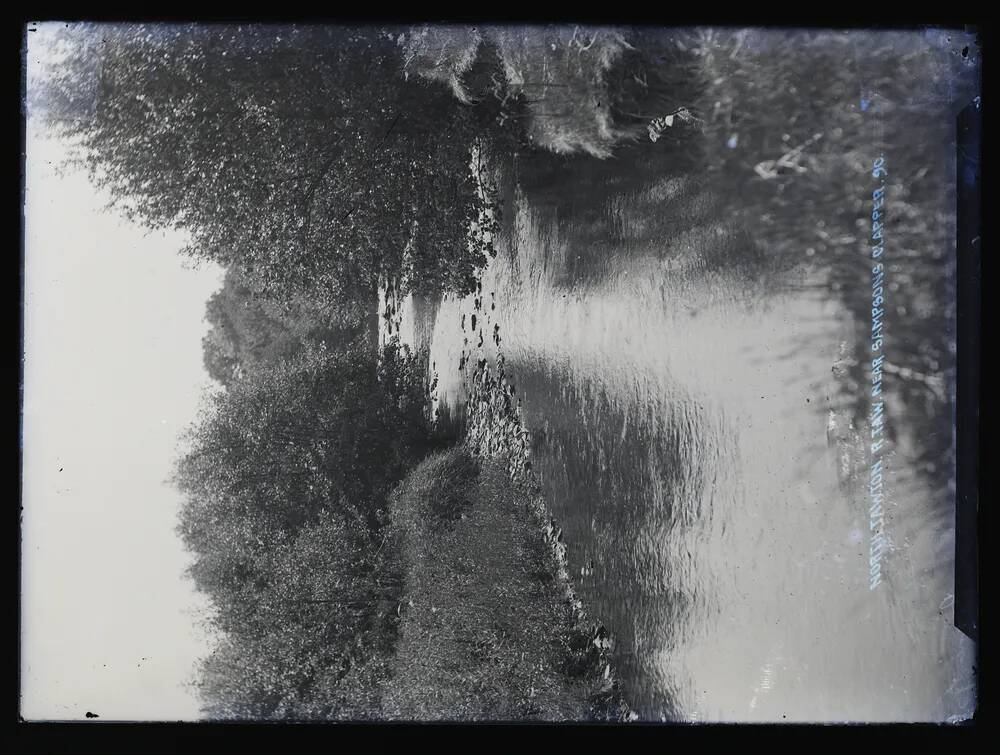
(113, 373)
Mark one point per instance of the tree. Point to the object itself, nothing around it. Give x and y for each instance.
(323, 619)
(325, 428)
(248, 328)
(325, 431)
(298, 154)
(285, 479)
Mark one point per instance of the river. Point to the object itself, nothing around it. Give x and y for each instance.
(693, 438)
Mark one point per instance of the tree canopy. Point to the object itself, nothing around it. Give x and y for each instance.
(299, 155)
(285, 478)
(248, 328)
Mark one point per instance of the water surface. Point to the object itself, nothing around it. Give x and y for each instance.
(692, 438)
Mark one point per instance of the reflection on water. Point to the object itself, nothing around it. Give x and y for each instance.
(690, 437)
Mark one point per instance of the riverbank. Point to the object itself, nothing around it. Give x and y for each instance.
(489, 627)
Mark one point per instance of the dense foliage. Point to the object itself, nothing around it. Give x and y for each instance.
(299, 155)
(285, 478)
(249, 328)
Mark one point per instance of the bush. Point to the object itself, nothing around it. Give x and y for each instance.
(437, 492)
(285, 483)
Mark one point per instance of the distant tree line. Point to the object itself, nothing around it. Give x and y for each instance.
(248, 328)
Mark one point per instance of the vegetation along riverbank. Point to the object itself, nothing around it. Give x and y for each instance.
(490, 628)
(362, 559)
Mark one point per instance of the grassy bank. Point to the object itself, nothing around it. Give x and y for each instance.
(488, 629)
